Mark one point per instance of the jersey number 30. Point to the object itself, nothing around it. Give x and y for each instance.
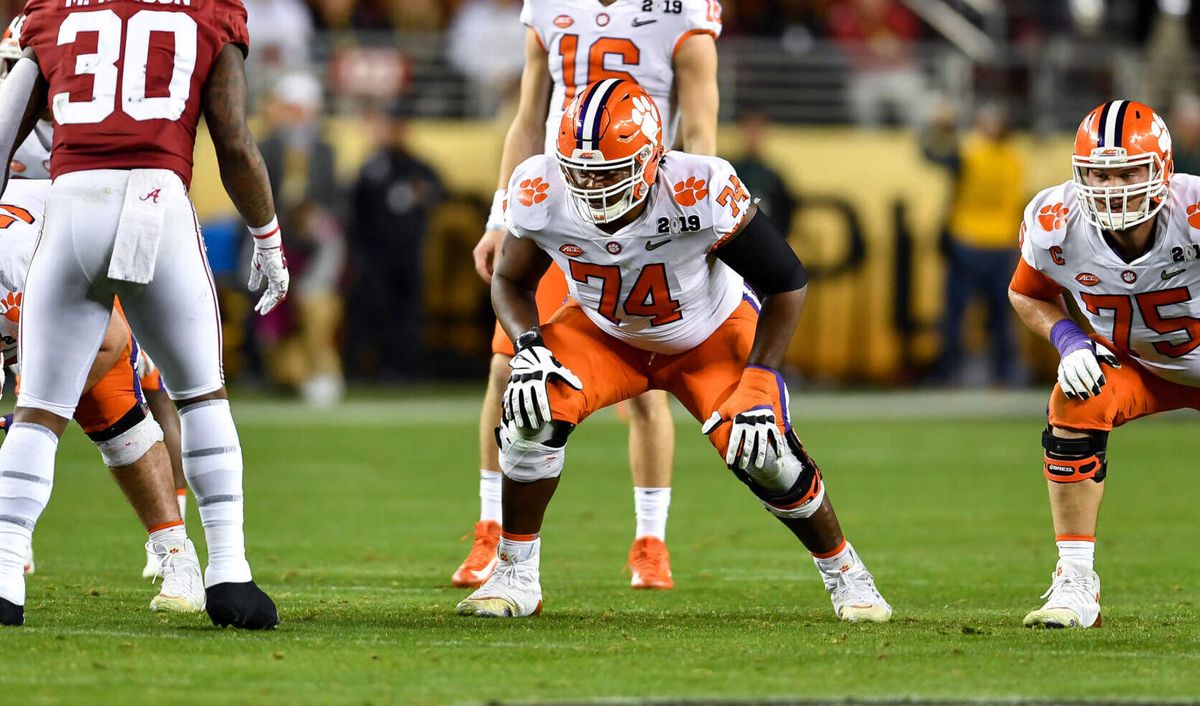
(102, 65)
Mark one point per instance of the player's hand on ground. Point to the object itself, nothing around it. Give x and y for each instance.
(269, 265)
(485, 253)
(526, 400)
(751, 410)
(1079, 372)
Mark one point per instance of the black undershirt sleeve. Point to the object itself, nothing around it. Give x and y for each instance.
(761, 255)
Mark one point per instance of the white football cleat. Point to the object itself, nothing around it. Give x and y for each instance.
(183, 583)
(852, 590)
(513, 591)
(1072, 601)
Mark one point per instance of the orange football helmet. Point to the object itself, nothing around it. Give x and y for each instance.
(1121, 134)
(609, 147)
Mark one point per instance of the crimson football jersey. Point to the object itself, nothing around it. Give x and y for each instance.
(126, 77)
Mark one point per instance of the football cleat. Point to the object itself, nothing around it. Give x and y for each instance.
(183, 583)
(477, 568)
(242, 605)
(650, 564)
(513, 591)
(852, 590)
(1072, 601)
(11, 613)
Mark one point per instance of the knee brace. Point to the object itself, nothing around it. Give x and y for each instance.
(1075, 460)
(526, 460)
(130, 445)
(789, 485)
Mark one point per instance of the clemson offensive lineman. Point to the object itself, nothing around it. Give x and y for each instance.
(655, 248)
(1120, 240)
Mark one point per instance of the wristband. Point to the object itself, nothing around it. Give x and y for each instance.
(268, 236)
(1067, 337)
(495, 220)
(532, 337)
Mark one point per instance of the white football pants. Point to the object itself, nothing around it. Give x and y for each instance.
(68, 295)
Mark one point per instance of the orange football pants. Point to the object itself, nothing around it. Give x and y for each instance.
(551, 295)
(1130, 392)
(611, 370)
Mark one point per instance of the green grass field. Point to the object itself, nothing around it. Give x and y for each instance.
(354, 528)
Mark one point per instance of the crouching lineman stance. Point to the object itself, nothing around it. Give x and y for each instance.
(1117, 238)
(655, 249)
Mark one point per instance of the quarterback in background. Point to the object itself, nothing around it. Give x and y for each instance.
(670, 49)
(659, 248)
(1121, 242)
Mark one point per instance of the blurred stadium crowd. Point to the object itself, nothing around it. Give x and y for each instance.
(895, 142)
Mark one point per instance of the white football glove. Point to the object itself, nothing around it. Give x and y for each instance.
(753, 432)
(269, 264)
(526, 401)
(1079, 373)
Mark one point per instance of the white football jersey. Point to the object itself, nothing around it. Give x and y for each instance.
(588, 41)
(1150, 308)
(654, 284)
(21, 210)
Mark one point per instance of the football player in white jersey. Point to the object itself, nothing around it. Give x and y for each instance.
(670, 49)
(1120, 241)
(656, 248)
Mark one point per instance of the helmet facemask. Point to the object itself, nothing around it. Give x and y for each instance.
(604, 190)
(1107, 207)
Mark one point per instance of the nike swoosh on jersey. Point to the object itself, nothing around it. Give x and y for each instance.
(1168, 275)
(655, 246)
(639, 22)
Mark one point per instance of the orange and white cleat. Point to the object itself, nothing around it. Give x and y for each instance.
(481, 560)
(650, 564)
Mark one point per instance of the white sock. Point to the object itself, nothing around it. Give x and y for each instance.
(489, 495)
(651, 505)
(181, 498)
(843, 559)
(513, 551)
(1079, 554)
(175, 534)
(26, 478)
(212, 463)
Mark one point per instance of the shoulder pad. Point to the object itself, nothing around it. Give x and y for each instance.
(530, 189)
(1050, 215)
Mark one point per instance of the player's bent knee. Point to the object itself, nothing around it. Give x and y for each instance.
(1074, 460)
(128, 447)
(540, 457)
(789, 485)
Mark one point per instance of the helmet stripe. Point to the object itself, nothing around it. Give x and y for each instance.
(1119, 122)
(1107, 130)
(587, 136)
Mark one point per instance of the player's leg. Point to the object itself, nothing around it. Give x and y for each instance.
(113, 415)
(481, 559)
(651, 455)
(789, 485)
(177, 320)
(610, 372)
(60, 331)
(167, 417)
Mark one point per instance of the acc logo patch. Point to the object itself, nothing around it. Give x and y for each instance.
(532, 191)
(1053, 217)
(563, 21)
(1087, 279)
(570, 250)
(1129, 276)
(613, 247)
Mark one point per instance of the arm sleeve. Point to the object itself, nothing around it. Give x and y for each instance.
(763, 258)
(1032, 283)
(700, 17)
